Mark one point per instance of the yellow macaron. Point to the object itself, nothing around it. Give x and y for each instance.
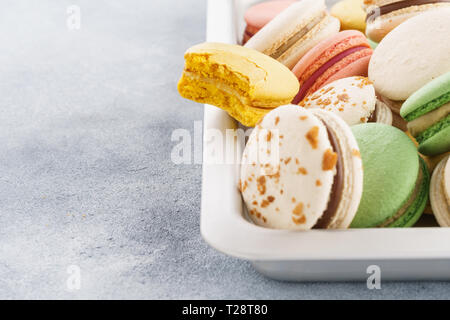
(242, 81)
(351, 14)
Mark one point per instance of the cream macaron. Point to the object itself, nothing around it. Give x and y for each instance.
(411, 55)
(295, 31)
(353, 99)
(440, 192)
(384, 15)
(301, 169)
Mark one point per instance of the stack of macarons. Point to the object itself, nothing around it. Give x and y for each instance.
(331, 102)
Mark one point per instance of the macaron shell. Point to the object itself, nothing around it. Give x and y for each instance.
(438, 143)
(292, 191)
(244, 82)
(383, 113)
(351, 14)
(325, 50)
(257, 16)
(391, 168)
(415, 206)
(289, 22)
(328, 27)
(400, 65)
(284, 25)
(357, 67)
(350, 160)
(352, 99)
(381, 26)
(439, 192)
(432, 91)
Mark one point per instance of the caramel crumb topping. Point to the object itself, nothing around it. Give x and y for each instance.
(281, 191)
(293, 200)
(277, 119)
(240, 185)
(269, 136)
(264, 203)
(356, 153)
(312, 137)
(302, 171)
(264, 219)
(318, 183)
(300, 220)
(343, 97)
(303, 117)
(299, 217)
(329, 160)
(287, 160)
(271, 198)
(362, 119)
(255, 203)
(297, 161)
(298, 210)
(261, 184)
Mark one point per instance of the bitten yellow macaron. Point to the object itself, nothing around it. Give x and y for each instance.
(242, 81)
(351, 14)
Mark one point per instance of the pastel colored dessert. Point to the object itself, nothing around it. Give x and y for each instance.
(440, 192)
(353, 99)
(351, 14)
(301, 169)
(258, 15)
(244, 82)
(295, 31)
(343, 55)
(428, 114)
(396, 179)
(397, 120)
(411, 55)
(384, 15)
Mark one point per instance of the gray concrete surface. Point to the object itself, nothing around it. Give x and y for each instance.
(85, 172)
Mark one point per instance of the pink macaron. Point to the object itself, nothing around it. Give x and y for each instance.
(259, 15)
(343, 55)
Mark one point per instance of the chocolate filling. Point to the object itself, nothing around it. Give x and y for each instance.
(297, 36)
(379, 11)
(337, 187)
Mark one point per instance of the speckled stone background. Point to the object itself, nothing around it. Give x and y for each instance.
(85, 172)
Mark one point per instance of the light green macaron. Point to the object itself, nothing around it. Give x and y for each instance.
(428, 114)
(396, 179)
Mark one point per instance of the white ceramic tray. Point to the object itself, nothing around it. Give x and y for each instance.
(315, 255)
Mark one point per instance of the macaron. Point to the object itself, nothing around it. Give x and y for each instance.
(351, 14)
(397, 120)
(396, 179)
(384, 15)
(428, 114)
(301, 169)
(411, 55)
(258, 15)
(343, 55)
(295, 31)
(353, 99)
(244, 82)
(440, 192)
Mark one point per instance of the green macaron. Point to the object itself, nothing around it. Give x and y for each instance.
(396, 179)
(428, 114)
